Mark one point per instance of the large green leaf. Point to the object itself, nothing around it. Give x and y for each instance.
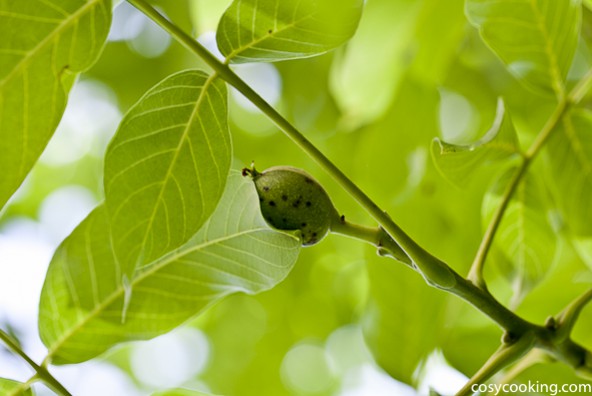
(460, 163)
(536, 39)
(166, 167)
(570, 162)
(14, 388)
(274, 30)
(44, 44)
(525, 235)
(87, 306)
(403, 320)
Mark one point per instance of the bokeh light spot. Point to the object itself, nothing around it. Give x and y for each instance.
(172, 359)
(307, 369)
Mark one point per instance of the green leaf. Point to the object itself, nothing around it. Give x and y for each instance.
(481, 340)
(14, 388)
(166, 167)
(87, 306)
(357, 85)
(461, 163)
(570, 162)
(536, 39)
(181, 392)
(525, 235)
(44, 44)
(402, 322)
(274, 30)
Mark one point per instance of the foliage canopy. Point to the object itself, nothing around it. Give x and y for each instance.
(469, 122)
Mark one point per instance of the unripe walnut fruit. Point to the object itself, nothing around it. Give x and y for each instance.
(291, 199)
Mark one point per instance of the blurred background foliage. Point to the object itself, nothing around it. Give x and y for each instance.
(414, 71)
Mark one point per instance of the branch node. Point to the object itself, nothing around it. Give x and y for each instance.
(509, 338)
(551, 323)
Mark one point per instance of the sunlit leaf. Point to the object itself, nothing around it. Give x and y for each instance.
(358, 85)
(44, 44)
(166, 167)
(87, 306)
(403, 319)
(273, 30)
(570, 161)
(14, 388)
(536, 39)
(460, 163)
(525, 235)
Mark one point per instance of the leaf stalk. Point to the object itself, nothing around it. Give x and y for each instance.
(506, 354)
(41, 372)
(566, 320)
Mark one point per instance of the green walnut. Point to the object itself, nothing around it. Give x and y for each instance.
(291, 199)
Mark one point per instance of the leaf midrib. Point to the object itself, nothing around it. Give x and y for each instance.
(153, 267)
(54, 34)
(575, 143)
(203, 94)
(555, 73)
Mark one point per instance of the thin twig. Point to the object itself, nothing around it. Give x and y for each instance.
(41, 372)
(504, 356)
(373, 235)
(568, 317)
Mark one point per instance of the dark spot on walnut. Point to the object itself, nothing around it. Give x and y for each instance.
(308, 203)
(271, 203)
(284, 197)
